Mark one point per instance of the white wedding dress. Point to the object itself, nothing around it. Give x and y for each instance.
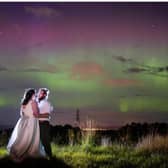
(25, 139)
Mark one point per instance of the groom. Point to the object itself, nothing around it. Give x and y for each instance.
(45, 108)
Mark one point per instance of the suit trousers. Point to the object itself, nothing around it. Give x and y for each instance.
(45, 136)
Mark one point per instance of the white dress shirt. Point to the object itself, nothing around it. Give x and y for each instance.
(45, 107)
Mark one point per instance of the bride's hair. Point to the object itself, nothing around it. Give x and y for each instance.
(28, 95)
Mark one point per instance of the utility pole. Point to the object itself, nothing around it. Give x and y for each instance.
(77, 120)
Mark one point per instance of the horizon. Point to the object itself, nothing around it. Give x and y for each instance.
(105, 127)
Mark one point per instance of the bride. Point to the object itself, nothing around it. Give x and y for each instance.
(25, 139)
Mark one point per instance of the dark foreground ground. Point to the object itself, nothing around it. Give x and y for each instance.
(6, 162)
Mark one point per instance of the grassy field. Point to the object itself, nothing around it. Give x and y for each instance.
(151, 152)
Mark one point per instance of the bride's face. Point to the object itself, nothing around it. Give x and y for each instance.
(34, 97)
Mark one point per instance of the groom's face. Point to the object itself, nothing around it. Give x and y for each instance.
(41, 94)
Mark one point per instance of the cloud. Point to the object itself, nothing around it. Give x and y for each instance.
(156, 71)
(45, 68)
(32, 69)
(86, 70)
(2, 68)
(135, 70)
(141, 68)
(122, 59)
(42, 11)
(122, 82)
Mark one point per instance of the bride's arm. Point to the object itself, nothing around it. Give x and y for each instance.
(36, 111)
(35, 108)
(21, 112)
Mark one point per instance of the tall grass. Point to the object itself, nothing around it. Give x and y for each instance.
(88, 155)
(153, 143)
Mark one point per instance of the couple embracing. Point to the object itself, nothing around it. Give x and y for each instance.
(31, 135)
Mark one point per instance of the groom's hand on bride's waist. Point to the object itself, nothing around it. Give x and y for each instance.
(44, 115)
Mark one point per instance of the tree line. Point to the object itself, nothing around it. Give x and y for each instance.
(69, 135)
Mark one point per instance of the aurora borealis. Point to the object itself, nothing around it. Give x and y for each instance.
(107, 59)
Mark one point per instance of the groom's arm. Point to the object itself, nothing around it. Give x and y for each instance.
(44, 115)
(44, 109)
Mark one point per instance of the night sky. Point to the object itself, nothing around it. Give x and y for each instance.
(109, 60)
